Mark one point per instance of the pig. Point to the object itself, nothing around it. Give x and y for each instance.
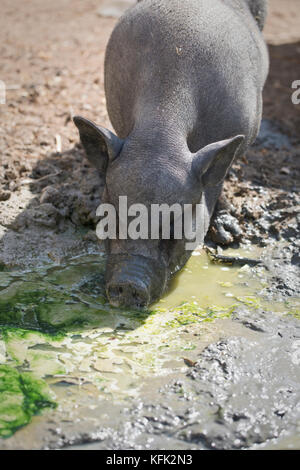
(183, 85)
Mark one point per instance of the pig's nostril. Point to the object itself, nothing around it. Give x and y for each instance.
(128, 294)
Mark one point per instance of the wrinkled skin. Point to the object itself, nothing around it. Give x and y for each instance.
(183, 83)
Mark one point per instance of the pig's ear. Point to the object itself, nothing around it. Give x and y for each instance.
(100, 144)
(212, 162)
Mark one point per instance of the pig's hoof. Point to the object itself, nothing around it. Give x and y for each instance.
(224, 229)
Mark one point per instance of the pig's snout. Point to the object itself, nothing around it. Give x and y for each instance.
(130, 294)
(133, 281)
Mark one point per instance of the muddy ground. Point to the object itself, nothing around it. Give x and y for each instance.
(52, 64)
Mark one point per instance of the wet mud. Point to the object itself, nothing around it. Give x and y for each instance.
(185, 373)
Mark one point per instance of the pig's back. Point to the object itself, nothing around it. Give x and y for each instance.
(194, 61)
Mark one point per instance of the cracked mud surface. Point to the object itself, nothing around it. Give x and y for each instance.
(206, 397)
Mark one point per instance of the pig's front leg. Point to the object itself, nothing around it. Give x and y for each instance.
(224, 227)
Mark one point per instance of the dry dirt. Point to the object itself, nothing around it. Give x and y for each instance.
(52, 66)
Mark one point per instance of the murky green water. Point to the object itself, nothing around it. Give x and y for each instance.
(58, 332)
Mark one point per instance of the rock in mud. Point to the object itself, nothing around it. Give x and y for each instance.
(4, 195)
(45, 215)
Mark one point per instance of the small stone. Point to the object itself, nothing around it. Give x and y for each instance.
(10, 175)
(4, 195)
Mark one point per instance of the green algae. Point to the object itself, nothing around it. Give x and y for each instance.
(23, 334)
(188, 313)
(250, 301)
(292, 306)
(296, 314)
(44, 309)
(21, 397)
(56, 300)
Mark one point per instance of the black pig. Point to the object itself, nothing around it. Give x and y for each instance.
(183, 83)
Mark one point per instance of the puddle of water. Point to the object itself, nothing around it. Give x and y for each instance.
(56, 326)
(209, 284)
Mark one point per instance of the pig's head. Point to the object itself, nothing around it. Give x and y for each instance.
(151, 170)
